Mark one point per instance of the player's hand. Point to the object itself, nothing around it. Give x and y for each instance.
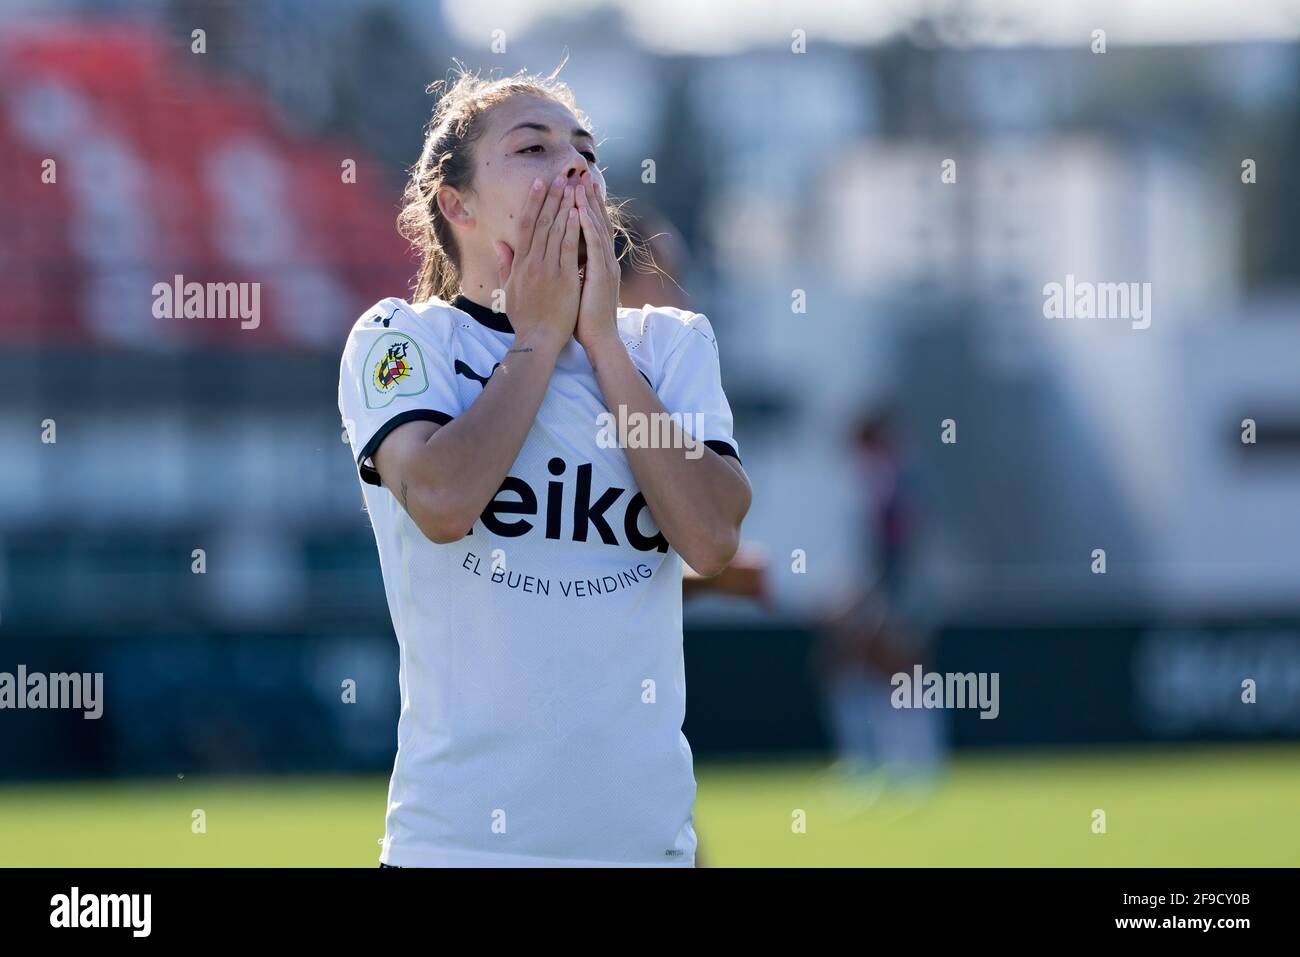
(539, 273)
(598, 307)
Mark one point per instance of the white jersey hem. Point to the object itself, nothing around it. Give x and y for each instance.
(437, 857)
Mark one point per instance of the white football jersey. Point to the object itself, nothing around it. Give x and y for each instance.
(542, 683)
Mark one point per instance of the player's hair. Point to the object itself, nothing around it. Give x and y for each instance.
(634, 243)
(448, 160)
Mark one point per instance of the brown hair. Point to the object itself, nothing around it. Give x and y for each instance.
(448, 160)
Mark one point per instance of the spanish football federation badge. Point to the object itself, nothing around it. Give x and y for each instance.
(394, 367)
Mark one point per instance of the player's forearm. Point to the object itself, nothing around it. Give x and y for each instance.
(697, 500)
(465, 461)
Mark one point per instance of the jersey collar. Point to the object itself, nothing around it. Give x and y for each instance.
(484, 315)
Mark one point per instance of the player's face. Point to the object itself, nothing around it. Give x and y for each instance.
(524, 138)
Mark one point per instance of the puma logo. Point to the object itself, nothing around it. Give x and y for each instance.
(462, 369)
(384, 319)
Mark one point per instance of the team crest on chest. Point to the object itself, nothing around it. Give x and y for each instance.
(396, 367)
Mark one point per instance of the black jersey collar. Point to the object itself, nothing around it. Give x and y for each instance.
(493, 320)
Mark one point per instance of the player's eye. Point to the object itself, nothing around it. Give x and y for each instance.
(590, 155)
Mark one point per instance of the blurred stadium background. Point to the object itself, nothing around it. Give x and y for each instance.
(816, 171)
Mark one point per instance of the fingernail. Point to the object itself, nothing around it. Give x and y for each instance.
(537, 184)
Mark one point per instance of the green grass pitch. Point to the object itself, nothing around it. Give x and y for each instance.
(1224, 806)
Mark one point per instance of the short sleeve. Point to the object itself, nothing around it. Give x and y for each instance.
(690, 383)
(397, 367)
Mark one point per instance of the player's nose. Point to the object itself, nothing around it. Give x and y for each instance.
(574, 167)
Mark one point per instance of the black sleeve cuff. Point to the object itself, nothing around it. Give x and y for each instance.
(722, 448)
(368, 473)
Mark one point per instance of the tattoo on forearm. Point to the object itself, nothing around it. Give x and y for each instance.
(523, 349)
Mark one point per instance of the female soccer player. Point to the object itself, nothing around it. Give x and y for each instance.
(536, 461)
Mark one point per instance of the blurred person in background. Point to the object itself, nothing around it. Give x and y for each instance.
(533, 569)
(882, 629)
